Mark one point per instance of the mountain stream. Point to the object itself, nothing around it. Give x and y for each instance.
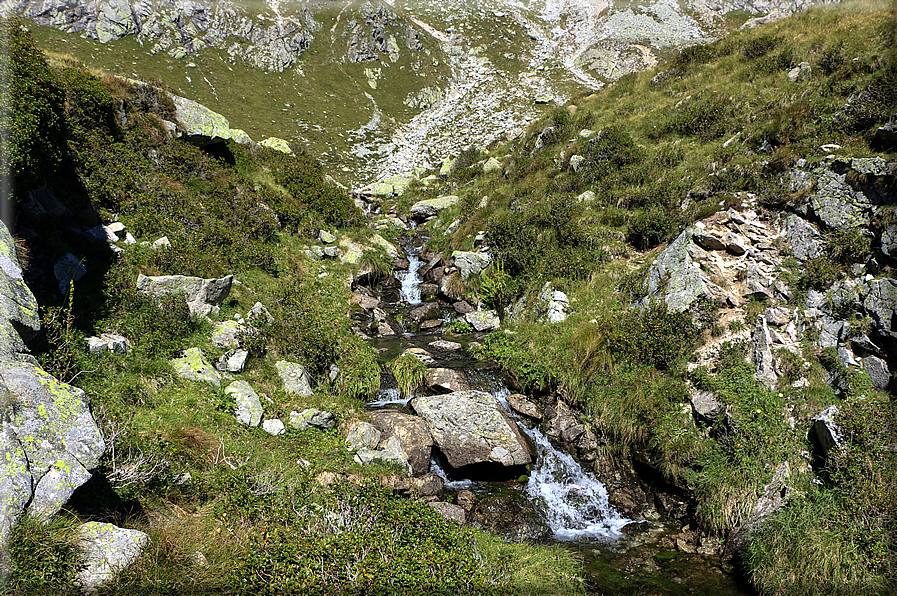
(559, 501)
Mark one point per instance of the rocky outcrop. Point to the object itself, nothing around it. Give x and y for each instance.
(201, 126)
(471, 263)
(431, 207)
(49, 441)
(311, 417)
(203, 296)
(471, 427)
(554, 304)
(183, 27)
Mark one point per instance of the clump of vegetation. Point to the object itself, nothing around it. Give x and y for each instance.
(655, 335)
(42, 557)
(410, 372)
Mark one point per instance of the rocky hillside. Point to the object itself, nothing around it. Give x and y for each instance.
(405, 85)
(685, 278)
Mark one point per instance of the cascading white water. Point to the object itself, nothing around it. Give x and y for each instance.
(573, 502)
(411, 281)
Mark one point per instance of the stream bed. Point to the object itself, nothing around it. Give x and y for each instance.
(557, 502)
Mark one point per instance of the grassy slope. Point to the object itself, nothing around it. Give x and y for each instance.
(251, 506)
(659, 166)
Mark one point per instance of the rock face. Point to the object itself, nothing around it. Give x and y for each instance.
(204, 296)
(49, 440)
(554, 303)
(105, 549)
(446, 380)
(471, 263)
(485, 320)
(183, 27)
(471, 427)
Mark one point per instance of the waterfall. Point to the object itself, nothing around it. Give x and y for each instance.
(411, 281)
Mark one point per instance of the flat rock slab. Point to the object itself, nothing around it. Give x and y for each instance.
(431, 207)
(362, 434)
(295, 378)
(484, 320)
(449, 512)
(193, 366)
(446, 380)
(105, 549)
(520, 404)
(445, 346)
(471, 427)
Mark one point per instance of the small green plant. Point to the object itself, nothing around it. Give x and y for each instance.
(495, 286)
(461, 328)
(43, 557)
(409, 371)
(850, 245)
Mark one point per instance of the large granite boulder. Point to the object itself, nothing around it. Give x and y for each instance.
(204, 296)
(202, 126)
(49, 441)
(472, 427)
(412, 433)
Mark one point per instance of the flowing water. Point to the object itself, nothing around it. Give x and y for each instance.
(559, 502)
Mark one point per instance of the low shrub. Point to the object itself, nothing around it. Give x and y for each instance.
(654, 335)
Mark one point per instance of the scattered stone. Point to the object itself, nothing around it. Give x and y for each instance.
(761, 355)
(104, 550)
(311, 417)
(467, 500)
(226, 334)
(362, 435)
(422, 355)
(778, 316)
(326, 237)
(576, 162)
(111, 342)
(707, 407)
(825, 434)
(233, 361)
(162, 242)
(878, 372)
(801, 72)
(428, 485)
(204, 296)
(413, 434)
(491, 165)
(586, 197)
(249, 406)
(295, 378)
(274, 427)
(365, 302)
(259, 313)
(462, 308)
(448, 511)
(471, 263)
(431, 207)
(520, 404)
(430, 324)
(555, 303)
(193, 367)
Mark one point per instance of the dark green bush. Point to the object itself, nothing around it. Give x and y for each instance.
(650, 227)
(705, 116)
(850, 245)
(610, 153)
(759, 46)
(36, 104)
(359, 540)
(820, 273)
(89, 102)
(654, 335)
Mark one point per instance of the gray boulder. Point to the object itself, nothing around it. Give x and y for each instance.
(107, 342)
(761, 355)
(674, 277)
(774, 496)
(249, 406)
(227, 334)
(201, 126)
(413, 434)
(431, 207)
(554, 303)
(446, 380)
(274, 426)
(362, 435)
(449, 511)
(232, 361)
(104, 550)
(67, 269)
(878, 372)
(889, 241)
(193, 367)
(471, 263)
(483, 320)
(471, 427)
(295, 378)
(805, 239)
(311, 417)
(260, 314)
(445, 346)
(204, 296)
(706, 406)
(49, 441)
